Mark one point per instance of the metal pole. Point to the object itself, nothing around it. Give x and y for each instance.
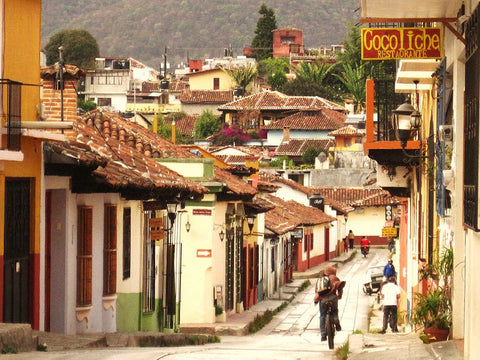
(60, 77)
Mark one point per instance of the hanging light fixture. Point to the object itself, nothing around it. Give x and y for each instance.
(407, 121)
(251, 221)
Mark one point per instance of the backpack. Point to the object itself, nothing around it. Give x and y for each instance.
(323, 285)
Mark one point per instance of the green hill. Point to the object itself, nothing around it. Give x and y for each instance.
(191, 28)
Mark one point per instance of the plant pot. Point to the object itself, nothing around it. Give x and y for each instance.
(435, 334)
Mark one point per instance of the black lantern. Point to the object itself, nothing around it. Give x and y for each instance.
(221, 234)
(250, 222)
(407, 121)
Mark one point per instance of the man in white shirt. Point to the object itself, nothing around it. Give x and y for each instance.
(390, 293)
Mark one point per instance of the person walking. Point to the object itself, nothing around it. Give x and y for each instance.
(351, 238)
(390, 293)
(333, 294)
(389, 270)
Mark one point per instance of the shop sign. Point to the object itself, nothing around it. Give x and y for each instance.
(389, 232)
(401, 43)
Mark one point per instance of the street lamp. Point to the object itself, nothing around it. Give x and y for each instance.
(407, 121)
(221, 234)
(251, 221)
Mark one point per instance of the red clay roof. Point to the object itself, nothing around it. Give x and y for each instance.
(186, 125)
(356, 196)
(324, 119)
(113, 137)
(206, 96)
(287, 215)
(274, 100)
(348, 130)
(296, 147)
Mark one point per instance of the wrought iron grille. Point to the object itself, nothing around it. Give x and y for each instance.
(11, 93)
(470, 161)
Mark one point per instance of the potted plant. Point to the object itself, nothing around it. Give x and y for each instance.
(433, 310)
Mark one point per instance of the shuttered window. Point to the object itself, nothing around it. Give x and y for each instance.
(127, 243)
(84, 256)
(110, 250)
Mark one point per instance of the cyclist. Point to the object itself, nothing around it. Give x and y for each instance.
(334, 294)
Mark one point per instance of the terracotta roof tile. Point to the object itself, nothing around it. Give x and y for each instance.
(324, 119)
(356, 196)
(347, 130)
(296, 147)
(274, 100)
(206, 96)
(186, 125)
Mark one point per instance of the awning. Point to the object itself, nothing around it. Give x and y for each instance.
(410, 70)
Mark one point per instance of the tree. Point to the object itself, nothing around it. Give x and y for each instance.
(309, 72)
(353, 78)
(242, 75)
(262, 42)
(79, 48)
(308, 157)
(206, 125)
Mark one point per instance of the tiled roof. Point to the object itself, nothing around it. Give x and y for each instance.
(324, 119)
(186, 125)
(347, 130)
(289, 214)
(178, 85)
(72, 70)
(296, 147)
(206, 96)
(234, 183)
(119, 167)
(356, 196)
(274, 100)
(335, 204)
(111, 136)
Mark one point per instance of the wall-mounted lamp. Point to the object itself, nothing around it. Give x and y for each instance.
(171, 213)
(407, 121)
(345, 217)
(188, 225)
(251, 221)
(221, 235)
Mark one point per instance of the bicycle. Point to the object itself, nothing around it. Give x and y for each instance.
(329, 323)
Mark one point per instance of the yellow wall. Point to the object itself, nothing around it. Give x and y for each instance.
(22, 50)
(204, 80)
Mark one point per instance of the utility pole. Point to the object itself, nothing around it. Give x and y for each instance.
(60, 79)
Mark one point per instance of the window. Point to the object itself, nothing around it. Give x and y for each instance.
(471, 124)
(127, 243)
(104, 102)
(216, 83)
(110, 250)
(153, 224)
(84, 256)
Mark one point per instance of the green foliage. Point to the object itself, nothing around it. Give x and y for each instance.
(308, 157)
(262, 43)
(218, 310)
(270, 66)
(42, 347)
(353, 79)
(304, 285)
(434, 309)
(79, 48)
(9, 350)
(86, 105)
(164, 128)
(343, 351)
(311, 72)
(242, 75)
(277, 162)
(128, 28)
(261, 320)
(206, 125)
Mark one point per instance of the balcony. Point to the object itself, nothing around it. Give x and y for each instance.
(11, 93)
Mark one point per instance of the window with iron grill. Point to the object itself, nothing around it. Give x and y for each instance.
(110, 250)
(470, 161)
(84, 256)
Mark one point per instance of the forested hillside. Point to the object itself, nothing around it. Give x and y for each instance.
(191, 28)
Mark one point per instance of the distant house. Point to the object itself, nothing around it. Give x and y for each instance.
(211, 79)
(287, 41)
(114, 78)
(314, 124)
(268, 107)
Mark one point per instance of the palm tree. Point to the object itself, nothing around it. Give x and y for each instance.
(308, 72)
(353, 78)
(242, 75)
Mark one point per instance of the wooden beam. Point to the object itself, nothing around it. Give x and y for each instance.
(455, 32)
